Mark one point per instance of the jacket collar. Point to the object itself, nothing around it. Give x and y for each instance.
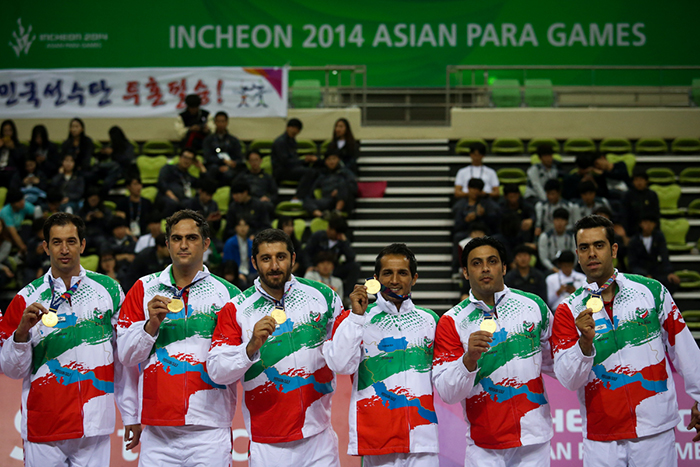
(58, 285)
(166, 277)
(289, 285)
(497, 297)
(389, 307)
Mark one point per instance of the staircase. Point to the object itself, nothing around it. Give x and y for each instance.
(415, 210)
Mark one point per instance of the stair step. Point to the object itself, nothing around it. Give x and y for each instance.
(390, 168)
(446, 179)
(403, 211)
(425, 159)
(420, 190)
(364, 148)
(402, 233)
(355, 223)
(405, 141)
(397, 199)
(427, 258)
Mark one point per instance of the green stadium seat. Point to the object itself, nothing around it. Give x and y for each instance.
(299, 227)
(668, 198)
(689, 279)
(675, 231)
(511, 175)
(158, 147)
(692, 319)
(291, 209)
(522, 188)
(262, 146)
(579, 145)
(137, 147)
(507, 146)
(317, 224)
(222, 197)
(685, 146)
(651, 146)
(506, 93)
(97, 145)
(539, 93)
(694, 207)
(111, 205)
(306, 146)
(690, 176)
(629, 159)
(661, 175)
(3, 195)
(616, 145)
(90, 262)
(324, 146)
(149, 168)
(535, 159)
(534, 143)
(464, 144)
(150, 193)
(305, 93)
(193, 170)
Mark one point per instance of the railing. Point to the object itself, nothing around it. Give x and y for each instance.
(332, 92)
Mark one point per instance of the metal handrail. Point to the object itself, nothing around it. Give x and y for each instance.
(329, 69)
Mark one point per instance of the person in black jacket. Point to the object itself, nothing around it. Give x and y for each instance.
(79, 145)
(262, 185)
(647, 253)
(286, 164)
(193, 123)
(222, 152)
(337, 186)
(638, 200)
(175, 183)
(243, 205)
(117, 160)
(148, 261)
(344, 144)
(134, 208)
(525, 277)
(45, 151)
(334, 239)
(11, 152)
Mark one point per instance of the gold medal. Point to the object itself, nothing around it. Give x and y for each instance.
(279, 315)
(373, 286)
(175, 305)
(595, 304)
(489, 325)
(50, 319)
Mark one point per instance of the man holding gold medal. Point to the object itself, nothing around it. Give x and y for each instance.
(613, 341)
(58, 337)
(388, 348)
(166, 326)
(490, 353)
(270, 337)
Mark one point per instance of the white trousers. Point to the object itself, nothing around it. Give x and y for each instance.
(650, 451)
(185, 446)
(534, 455)
(320, 450)
(402, 459)
(80, 452)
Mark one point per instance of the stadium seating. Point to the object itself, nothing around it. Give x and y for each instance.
(579, 145)
(150, 193)
(305, 93)
(506, 93)
(222, 197)
(675, 231)
(306, 146)
(695, 91)
(535, 159)
(629, 159)
(511, 175)
(689, 279)
(539, 93)
(158, 147)
(534, 143)
(615, 145)
(668, 198)
(291, 209)
(651, 146)
(690, 176)
(317, 224)
(507, 146)
(149, 168)
(463, 145)
(661, 175)
(685, 146)
(692, 319)
(90, 262)
(299, 227)
(694, 207)
(262, 146)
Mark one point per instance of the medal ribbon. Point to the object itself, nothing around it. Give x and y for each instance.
(607, 284)
(388, 292)
(178, 293)
(56, 301)
(491, 314)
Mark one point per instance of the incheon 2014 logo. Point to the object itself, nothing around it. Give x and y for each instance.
(23, 39)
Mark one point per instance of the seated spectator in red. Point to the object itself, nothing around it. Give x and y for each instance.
(286, 163)
(544, 210)
(71, 183)
(638, 201)
(97, 217)
(45, 151)
(223, 155)
(525, 277)
(344, 144)
(79, 145)
(134, 207)
(513, 202)
(175, 183)
(239, 249)
(476, 170)
(337, 186)
(194, 123)
(262, 185)
(243, 205)
(11, 152)
(538, 174)
(589, 201)
(31, 180)
(648, 253)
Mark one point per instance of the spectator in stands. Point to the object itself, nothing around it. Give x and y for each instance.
(335, 240)
(286, 164)
(154, 227)
(13, 214)
(566, 281)
(476, 207)
(585, 170)
(96, 217)
(71, 183)
(588, 201)
(54, 201)
(30, 180)
(36, 262)
(648, 253)
(11, 152)
(478, 230)
(324, 264)
(245, 206)
(513, 202)
(121, 243)
(344, 144)
(620, 238)
(637, 201)
(555, 240)
(79, 145)
(204, 204)
(194, 124)
(222, 152)
(147, 261)
(107, 265)
(540, 173)
(286, 224)
(511, 235)
(525, 277)
(616, 177)
(45, 151)
(262, 185)
(337, 186)
(239, 249)
(175, 183)
(121, 152)
(134, 207)
(544, 210)
(477, 169)
(6, 272)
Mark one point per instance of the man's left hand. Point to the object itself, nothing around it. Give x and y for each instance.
(132, 436)
(695, 421)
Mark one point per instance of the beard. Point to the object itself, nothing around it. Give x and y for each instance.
(276, 282)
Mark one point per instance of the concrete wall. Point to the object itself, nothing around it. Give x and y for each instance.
(484, 123)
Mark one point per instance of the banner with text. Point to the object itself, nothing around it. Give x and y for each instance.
(142, 92)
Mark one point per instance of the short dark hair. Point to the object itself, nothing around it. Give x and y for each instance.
(561, 213)
(325, 255)
(61, 219)
(14, 195)
(565, 256)
(161, 240)
(193, 100)
(592, 222)
(399, 249)
(188, 214)
(129, 180)
(338, 223)
(240, 186)
(483, 241)
(188, 149)
(207, 185)
(586, 186)
(552, 184)
(477, 147)
(522, 248)
(649, 216)
(221, 113)
(475, 183)
(272, 236)
(251, 152)
(296, 123)
(545, 150)
(584, 161)
(640, 172)
(480, 226)
(284, 220)
(509, 188)
(604, 210)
